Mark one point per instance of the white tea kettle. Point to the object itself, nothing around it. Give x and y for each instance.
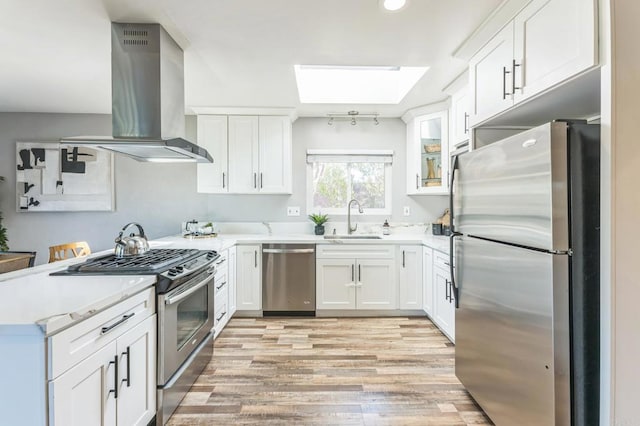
(133, 245)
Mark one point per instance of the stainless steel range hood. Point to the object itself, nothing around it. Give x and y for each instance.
(147, 90)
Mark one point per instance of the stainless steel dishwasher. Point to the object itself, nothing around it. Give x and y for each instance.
(289, 279)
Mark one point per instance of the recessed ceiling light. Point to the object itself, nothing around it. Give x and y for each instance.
(338, 84)
(393, 5)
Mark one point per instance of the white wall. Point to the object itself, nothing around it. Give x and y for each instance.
(310, 133)
(621, 209)
(158, 196)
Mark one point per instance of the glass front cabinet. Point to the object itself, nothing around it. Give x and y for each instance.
(428, 154)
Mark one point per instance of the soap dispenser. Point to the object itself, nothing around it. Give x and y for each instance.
(386, 229)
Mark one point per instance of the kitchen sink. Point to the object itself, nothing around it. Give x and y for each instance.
(352, 237)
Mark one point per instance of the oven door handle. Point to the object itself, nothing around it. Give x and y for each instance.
(188, 292)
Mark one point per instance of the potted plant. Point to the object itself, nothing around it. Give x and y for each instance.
(3, 231)
(319, 219)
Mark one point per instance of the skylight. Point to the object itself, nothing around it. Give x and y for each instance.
(329, 84)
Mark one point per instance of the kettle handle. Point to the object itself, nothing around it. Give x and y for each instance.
(141, 233)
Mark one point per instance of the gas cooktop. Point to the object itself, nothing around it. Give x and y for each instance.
(153, 262)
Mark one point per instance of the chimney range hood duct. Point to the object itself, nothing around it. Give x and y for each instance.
(147, 90)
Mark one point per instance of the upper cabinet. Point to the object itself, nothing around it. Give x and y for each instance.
(251, 154)
(547, 43)
(428, 154)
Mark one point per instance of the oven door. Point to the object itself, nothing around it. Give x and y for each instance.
(185, 317)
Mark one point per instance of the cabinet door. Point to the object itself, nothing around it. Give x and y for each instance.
(83, 396)
(232, 281)
(212, 135)
(137, 374)
(243, 154)
(248, 278)
(376, 284)
(335, 284)
(275, 155)
(427, 280)
(410, 277)
(490, 83)
(428, 154)
(460, 118)
(444, 304)
(554, 40)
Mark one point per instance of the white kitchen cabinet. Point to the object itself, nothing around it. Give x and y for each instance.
(251, 154)
(335, 284)
(114, 386)
(356, 277)
(427, 281)
(489, 83)
(459, 118)
(444, 298)
(547, 43)
(410, 277)
(212, 135)
(553, 41)
(428, 154)
(248, 278)
(221, 296)
(232, 281)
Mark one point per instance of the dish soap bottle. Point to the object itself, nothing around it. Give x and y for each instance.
(386, 229)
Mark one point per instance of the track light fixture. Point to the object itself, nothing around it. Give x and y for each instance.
(353, 117)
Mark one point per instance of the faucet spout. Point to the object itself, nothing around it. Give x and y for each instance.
(350, 229)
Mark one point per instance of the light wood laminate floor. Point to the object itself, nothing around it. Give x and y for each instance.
(330, 371)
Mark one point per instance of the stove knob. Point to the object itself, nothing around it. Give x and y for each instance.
(179, 268)
(172, 272)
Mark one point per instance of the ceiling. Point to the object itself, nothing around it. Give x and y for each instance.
(238, 53)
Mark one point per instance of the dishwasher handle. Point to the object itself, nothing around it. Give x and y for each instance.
(289, 251)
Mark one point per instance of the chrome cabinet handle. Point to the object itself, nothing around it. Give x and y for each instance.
(124, 318)
(417, 181)
(466, 123)
(403, 258)
(221, 285)
(359, 273)
(128, 355)
(513, 77)
(221, 316)
(115, 378)
(353, 273)
(223, 184)
(504, 82)
(260, 180)
(255, 256)
(255, 180)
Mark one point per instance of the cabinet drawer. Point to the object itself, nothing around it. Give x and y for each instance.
(220, 284)
(222, 265)
(342, 251)
(440, 260)
(221, 311)
(74, 344)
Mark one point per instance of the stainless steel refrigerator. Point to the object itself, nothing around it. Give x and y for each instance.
(526, 213)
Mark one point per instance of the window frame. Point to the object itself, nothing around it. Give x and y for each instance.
(345, 155)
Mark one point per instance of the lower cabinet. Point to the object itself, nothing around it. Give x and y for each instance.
(427, 280)
(232, 281)
(116, 385)
(410, 277)
(444, 305)
(356, 277)
(248, 278)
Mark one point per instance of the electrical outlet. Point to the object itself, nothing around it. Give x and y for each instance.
(293, 211)
(407, 211)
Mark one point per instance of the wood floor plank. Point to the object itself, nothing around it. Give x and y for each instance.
(330, 371)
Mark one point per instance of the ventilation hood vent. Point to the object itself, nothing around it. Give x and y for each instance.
(147, 91)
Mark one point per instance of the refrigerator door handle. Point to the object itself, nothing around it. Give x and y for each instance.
(454, 167)
(454, 286)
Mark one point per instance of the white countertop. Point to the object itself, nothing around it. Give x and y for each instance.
(33, 302)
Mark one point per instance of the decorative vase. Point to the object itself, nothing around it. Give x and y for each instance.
(319, 229)
(431, 168)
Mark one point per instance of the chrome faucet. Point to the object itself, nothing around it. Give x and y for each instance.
(351, 230)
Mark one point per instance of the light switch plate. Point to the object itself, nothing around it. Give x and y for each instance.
(293, 211)
(407, 211)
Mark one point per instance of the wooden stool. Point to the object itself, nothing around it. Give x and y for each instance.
(69, 250)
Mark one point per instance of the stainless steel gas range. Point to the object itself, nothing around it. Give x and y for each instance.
(185, 313)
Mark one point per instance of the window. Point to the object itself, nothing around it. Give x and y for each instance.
(336, 177)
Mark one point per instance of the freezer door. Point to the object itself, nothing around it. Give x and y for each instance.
(515, 190)
(512, 338)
